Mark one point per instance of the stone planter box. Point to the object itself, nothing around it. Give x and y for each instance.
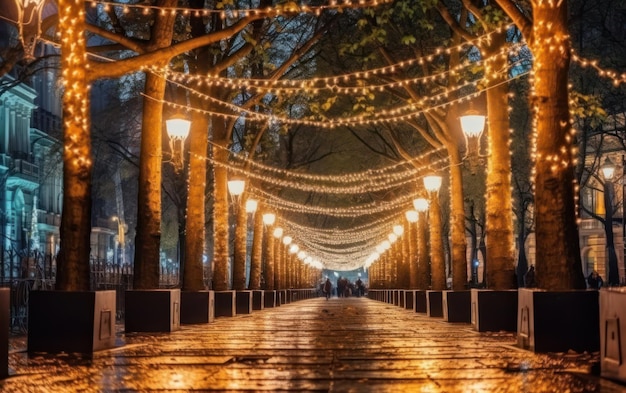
(152, 310)
(409, 300)
(269, 299)
(434, 304)
(284, 298)
(197, 307)
(457, 306)
(421, 301)
(5, 315)
(225, 303)
(558, 321)
(243, 301)
(613, 334)
(71, 321)
(494, 311)
(258, 300)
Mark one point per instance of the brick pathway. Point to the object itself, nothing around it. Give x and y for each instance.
(336, 345)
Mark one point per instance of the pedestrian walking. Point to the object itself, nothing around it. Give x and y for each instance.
(594, 280)
(327, 288)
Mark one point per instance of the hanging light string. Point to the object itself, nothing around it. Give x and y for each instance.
(287, 8)
(405, 112)
(281, 204)
(334, 83)
(616, 78)
(386, 117)
(407, 166)
(353, 184)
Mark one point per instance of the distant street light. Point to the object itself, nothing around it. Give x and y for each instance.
(432, 183)
(251, 206)
(412, 216)
(608, 171)
(278, 232)
(269, 219)
(420, 204)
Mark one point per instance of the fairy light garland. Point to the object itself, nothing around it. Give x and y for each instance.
(334, 83)
(287, 8)
(616, 77)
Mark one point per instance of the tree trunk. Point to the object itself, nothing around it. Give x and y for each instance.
(241, 243)
(558, 264)
(220, 213)
(457, 220)
(270, 256)
(193, 274)
(499, 207)
(75, 231)
(437, 258)
(413, 274)
(256, 258)
(423, 257)
(148, 236)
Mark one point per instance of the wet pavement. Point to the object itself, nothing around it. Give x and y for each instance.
(336, 345)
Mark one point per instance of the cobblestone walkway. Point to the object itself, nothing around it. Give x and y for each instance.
(336, 345)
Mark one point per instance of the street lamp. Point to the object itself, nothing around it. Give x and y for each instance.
(608, 171)
(269, 219)
(472, 123)
(251, 206)
(177, 130)
(236, 186)
(420, 204)
(432, 183)
(412, 216)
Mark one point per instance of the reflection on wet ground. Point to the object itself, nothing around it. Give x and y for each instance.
(339, 345)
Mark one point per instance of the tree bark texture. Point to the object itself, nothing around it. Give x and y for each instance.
(221, 281)
(240, 246)
(499, 206)
(558, 265)
(268, 272)
(457, 220)
(193, 275)
(73, 259)
(256, 259)
(148, 235)
(437, 257)
(412, 236)
(423, 255)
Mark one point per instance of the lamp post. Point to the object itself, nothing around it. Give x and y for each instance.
(178, 129)
(412, 216)
(236, 187)
(423, 258)
(432, 184)
(472, 125)
(608, 172)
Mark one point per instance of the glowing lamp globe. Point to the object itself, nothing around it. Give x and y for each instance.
(251, 205)
(236, 186)
(392, 238)
(412, 216)
(608, 169)
(178, 128)
(287, 240)
(472, 124)
(398, 230)
(420, 204)
(278, 232)
(432, 183)
(269, 218)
